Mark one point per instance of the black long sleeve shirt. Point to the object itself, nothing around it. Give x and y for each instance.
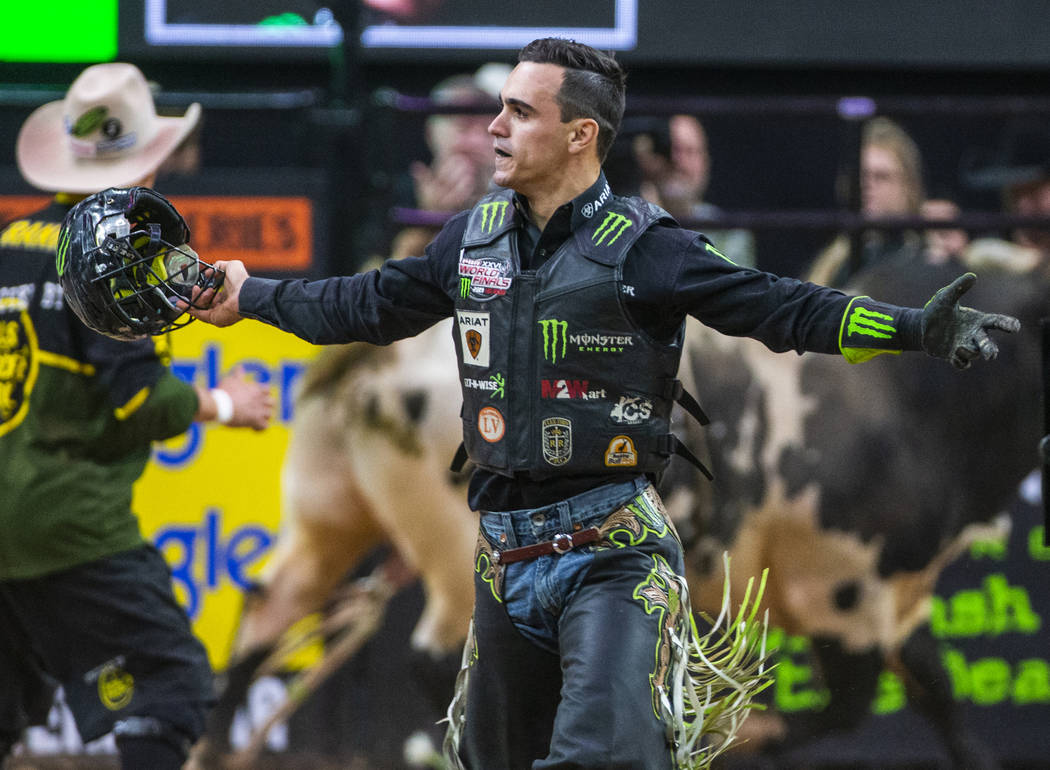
(669, 273)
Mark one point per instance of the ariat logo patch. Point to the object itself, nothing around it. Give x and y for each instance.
(611, 228)
(621, 453)
(556, 434)
(590, 208)
(492, 215)
(870, 323)
(474, 336)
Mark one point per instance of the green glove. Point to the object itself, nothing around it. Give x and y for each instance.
(960, 334)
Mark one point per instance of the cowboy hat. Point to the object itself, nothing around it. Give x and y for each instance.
(105, 133)
(1022, 157)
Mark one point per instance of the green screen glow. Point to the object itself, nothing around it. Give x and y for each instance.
(59, 31)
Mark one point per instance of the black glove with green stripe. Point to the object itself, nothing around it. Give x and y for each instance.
(960, 334)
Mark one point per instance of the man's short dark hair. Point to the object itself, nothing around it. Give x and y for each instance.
(593, 86)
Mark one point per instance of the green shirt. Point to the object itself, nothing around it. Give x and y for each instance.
(78, 413)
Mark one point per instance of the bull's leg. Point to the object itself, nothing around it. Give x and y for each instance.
(929, 691)
(233, 687)
(305, 570)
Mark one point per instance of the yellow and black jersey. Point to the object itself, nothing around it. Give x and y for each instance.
(78, 411)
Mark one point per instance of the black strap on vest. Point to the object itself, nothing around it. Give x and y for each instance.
(459, 459)
(672, 445)
(675, 391)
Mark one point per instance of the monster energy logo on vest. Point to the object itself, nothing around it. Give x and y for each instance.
(556, 339)
(870, 323)
(554, 332)
(613, 225)
(492, 214)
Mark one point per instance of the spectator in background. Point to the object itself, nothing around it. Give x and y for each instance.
(1022, 175)
(890, 187)
(1029, 195)
(943, 245)
(462, 161)
(85, 602)
(676, 178)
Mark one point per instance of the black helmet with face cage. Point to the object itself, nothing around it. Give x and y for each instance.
(124, 261)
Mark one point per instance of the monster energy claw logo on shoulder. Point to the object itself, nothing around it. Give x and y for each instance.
(612, 227)
(492, 215)
(870, 323)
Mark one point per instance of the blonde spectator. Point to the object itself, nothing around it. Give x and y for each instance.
(890, 187)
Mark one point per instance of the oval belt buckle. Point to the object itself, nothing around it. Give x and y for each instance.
(562, 543)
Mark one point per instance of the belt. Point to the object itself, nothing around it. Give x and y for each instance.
(560, 543)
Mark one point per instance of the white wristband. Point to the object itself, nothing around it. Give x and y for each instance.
(223, 405)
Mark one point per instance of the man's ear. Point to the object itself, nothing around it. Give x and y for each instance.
(584, 135)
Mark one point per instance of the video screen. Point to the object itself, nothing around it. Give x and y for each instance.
(389, 28)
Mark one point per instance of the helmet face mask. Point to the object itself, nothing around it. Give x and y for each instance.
(124, 261)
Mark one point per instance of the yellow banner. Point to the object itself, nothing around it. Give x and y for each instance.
(210, 499)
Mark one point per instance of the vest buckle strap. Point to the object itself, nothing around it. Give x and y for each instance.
(675, 391)
(670, 444)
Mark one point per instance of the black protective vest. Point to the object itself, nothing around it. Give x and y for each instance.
(556, 377)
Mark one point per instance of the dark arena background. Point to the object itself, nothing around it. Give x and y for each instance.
(313, 116)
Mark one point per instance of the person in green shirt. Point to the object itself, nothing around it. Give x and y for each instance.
(85, 601)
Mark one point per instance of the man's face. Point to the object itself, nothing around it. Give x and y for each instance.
(531, 142)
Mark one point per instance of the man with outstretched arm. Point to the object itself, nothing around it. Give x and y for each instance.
(570, 305)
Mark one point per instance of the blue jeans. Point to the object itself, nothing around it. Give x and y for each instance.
(569, 649)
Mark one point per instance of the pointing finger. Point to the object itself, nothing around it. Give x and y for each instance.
(1004, 323)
